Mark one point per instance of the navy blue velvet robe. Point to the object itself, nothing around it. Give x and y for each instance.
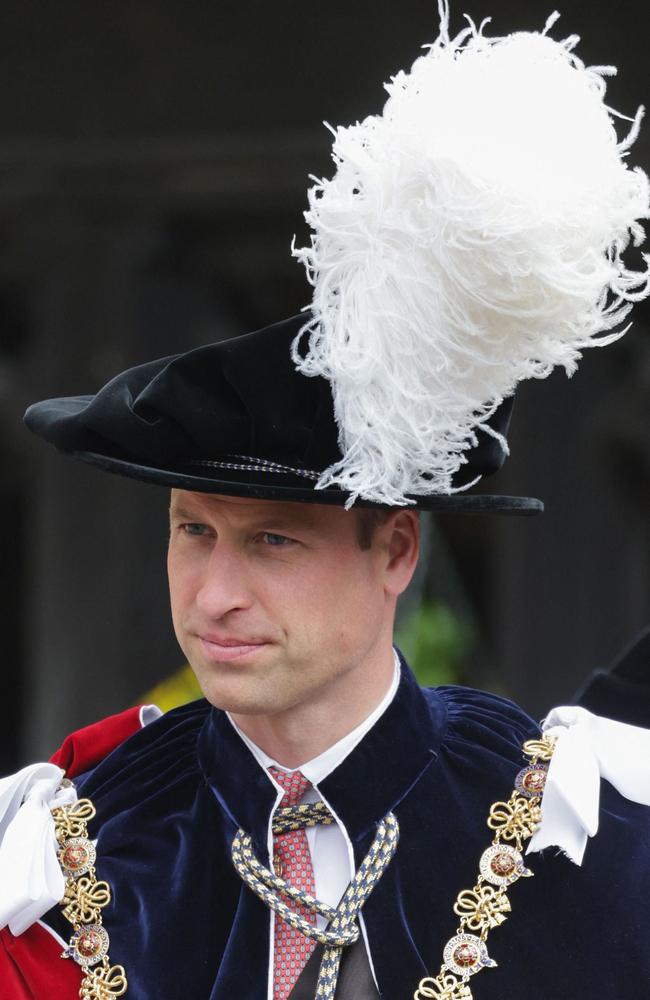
(170, 799)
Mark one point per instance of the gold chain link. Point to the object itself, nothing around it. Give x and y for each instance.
(486, 906)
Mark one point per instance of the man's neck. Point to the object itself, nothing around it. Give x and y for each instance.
(304, 732)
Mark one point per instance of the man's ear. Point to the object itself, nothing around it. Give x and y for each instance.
(402, 546)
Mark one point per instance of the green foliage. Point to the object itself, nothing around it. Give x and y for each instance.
(435, 642)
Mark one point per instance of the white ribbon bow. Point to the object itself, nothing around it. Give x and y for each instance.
(31, 880)
(588, 748)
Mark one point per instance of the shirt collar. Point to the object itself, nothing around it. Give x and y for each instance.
(371, 780)
(318, 768)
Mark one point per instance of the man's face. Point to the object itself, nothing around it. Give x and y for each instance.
(272, 601)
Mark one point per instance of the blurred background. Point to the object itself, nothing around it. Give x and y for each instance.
(154, 161)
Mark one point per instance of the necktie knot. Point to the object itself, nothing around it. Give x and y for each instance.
(293, 783)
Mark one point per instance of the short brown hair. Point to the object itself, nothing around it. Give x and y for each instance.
(368, 520)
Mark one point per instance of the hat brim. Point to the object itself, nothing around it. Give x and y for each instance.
(275, 487)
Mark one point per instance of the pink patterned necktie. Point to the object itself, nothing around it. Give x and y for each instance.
(292, 861)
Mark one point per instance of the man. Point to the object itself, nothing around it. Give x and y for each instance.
(319, 825)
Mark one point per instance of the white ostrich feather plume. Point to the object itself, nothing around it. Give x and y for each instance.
(472, 236)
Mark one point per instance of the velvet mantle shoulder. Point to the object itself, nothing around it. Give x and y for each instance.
(465, 724)
(158, 759)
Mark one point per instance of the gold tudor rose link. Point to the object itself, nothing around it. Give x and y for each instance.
(82, 903)
(486, 906)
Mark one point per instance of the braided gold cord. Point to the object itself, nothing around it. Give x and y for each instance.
(486, 905)
(298, 817)
(342, 922)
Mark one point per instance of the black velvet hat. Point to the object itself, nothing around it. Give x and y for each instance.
(237, 418)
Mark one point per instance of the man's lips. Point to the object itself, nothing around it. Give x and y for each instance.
(222, 649)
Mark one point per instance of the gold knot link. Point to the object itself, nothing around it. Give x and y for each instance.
(516, 819)
(443, 987)
(84, 899)
(541, 749)
(70, 821)
(104, 984)
(483, 908)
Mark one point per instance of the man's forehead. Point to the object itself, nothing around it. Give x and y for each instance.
(185, 502)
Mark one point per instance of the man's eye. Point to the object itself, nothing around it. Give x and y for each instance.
(194, 529)
(272, 539)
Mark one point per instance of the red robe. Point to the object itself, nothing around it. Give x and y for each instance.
(31, 967)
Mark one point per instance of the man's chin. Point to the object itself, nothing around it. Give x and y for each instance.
(241, 693)
(241, 703)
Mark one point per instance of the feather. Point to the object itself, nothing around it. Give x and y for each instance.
(472, 236)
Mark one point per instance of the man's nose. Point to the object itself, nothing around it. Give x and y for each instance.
(225, 585)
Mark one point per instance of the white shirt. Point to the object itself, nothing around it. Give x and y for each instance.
(330, 847)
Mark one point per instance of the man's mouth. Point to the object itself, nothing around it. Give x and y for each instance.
(222, 649)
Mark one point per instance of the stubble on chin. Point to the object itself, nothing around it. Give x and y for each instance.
(241, 690)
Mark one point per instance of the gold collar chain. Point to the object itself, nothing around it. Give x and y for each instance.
(486, 906)
(84, 899)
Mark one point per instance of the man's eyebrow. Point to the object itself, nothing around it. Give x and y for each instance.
(176, 510)
(284, 523)
(268, 521)
(260, 521)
